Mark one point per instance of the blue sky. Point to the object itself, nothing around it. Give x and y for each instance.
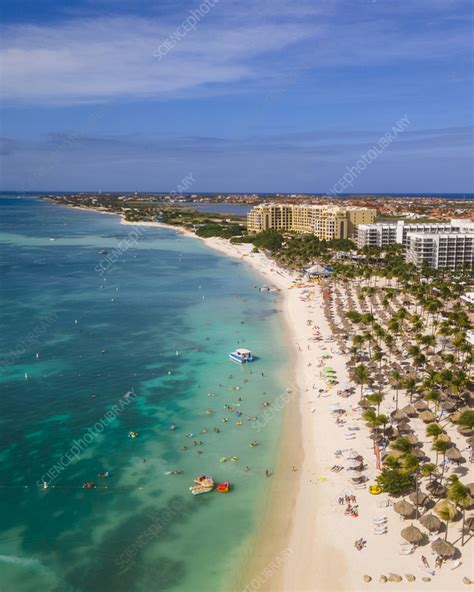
(262, 95)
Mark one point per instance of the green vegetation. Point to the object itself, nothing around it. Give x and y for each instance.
(222, 230)
(395, 481)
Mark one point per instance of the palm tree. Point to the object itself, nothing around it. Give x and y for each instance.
(441, 447)
(402, 444)
(466, 419)
(411, 465)
(447, 511)
(371, 419)
(376, 399)
(434, 397)
(389, 340)
(383, 421)
(361, 376)
(434, 430)
(428, 470)
(358, 342)
(378, 357)
(410, 384)
(460, 495)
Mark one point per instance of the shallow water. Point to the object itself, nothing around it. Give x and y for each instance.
(75, 339)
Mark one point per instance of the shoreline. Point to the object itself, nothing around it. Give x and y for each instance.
(304, 516)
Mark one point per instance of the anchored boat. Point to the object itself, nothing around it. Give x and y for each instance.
(241, 356)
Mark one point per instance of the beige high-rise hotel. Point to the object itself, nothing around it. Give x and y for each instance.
(324, 221)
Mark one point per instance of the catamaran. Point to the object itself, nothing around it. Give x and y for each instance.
(241, 356)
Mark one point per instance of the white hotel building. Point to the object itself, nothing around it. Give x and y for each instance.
(442, 246)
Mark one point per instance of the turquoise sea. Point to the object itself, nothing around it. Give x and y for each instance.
(78, 334)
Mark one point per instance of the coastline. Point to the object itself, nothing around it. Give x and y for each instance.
(304, 516)
(303, 523)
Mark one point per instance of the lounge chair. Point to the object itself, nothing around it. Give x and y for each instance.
(406, 549)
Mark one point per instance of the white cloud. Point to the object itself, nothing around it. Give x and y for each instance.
(113, 57)
(238, 45)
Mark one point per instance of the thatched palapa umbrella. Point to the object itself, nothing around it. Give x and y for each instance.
(436, 489)
(398, 415)
(412, 439)
(409, 410)
(427, 416)
(404, 508)
(419, 498)
(413, 535)
(404, 427)
(443, 548)
(444, 438)
(420, 406)
(431, 522)
(453, 454)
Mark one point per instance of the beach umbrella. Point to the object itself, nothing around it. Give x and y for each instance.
(398, 415)
(409, 410)
(467, 431)
(431, 522)
(354, 465)
(427, 417)
(420, 406)
(443, 438)
(418, 453)
(404, 427)
(413, 535)
(453, 454)
(443, 548)
(412, 439)
(436, 489)
(449, 405)
(454, 417)
(419, 496)
(352, 454)
(404, 508)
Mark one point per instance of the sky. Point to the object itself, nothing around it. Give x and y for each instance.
(243, 95)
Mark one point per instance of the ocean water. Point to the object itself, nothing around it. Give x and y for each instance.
(79, 332)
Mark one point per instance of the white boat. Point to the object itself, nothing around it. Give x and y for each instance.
(241, 356)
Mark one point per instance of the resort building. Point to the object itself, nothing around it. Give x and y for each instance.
(445, 246)
(451, 250)
(325, 221)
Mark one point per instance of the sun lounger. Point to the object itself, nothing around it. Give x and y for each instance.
(381, 531)
(406, 550)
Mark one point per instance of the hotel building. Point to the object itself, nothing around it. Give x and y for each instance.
(324, 221)
(442, 246)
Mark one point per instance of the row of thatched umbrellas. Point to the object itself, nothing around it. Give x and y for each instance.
(432, 523)
(401, 418)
